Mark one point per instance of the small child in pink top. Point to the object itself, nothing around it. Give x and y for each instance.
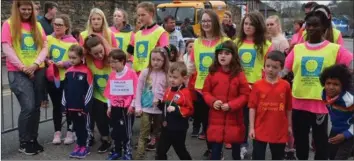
(120, 93)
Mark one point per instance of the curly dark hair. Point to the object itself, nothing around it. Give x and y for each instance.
(340, 72)
(235, 64)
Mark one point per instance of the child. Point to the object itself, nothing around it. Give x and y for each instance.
(151, 88)
(337, 81)
(189, 47)
(226, 92)
(77, 94)
(270, 110)
(120, 94)
(173, 56)
(176, 106)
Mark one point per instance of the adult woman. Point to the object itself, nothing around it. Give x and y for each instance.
(275, 33)
(307, 60)
(123, 32)
(227, 25)
(97, 24)
(25, 52)
(58, 44)
(297, 27)
(201, 58)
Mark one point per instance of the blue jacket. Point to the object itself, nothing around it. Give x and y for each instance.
(78, 89)
(341, 111)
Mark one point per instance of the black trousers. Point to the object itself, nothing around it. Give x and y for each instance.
(98, 113)
(246, 123)
(302, 122)
(172, 138)
(56, 95)
(82, 129)
(122, 129)
(259, 150)
(217, 149)
(201, 109)
(341, 151)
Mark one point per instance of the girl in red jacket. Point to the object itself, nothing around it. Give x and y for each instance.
(226, 92)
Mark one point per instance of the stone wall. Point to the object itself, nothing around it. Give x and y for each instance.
(79, 10)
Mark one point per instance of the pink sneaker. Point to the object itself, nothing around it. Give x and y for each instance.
(69, 139)
(57, 138)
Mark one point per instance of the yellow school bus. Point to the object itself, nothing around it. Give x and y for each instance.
(192, 9)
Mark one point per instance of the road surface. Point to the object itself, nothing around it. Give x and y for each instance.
(9, 144)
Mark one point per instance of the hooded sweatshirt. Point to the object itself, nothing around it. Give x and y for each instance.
(341, 111)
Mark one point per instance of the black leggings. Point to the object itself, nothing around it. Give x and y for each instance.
(201, 110)
(99, 116)
(303, 121)
(259, 150)
(56, 95)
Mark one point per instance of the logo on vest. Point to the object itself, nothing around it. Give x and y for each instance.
(27, 43)
(248, 57)
(206, 59)
(142, 49)
(100, 82)
(120, 42)
(56, 53)
(311, 66)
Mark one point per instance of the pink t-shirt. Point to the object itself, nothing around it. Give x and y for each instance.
(127, 80)
(13, 63)
(163, 40)
(316, 106)
(113, 40)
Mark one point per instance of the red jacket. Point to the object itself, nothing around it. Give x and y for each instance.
(226, 126)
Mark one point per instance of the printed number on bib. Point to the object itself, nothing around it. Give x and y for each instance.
(121, 87)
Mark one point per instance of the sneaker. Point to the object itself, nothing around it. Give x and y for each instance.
(74, 153)
(114, 156)
(202, 136)
(290, 156)
(28, 148)
(84, 151)
(70, 138)
(228, 146)
(195, 132)
(207, 155)
(57, 138)
(243, 152)
(104, 146)
(151, 145)
(38, 146)
(127, 157)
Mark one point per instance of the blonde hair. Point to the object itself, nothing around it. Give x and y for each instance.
(105, 30)
(125, 15)
(15, 23)
(277, 20)
(148, 6)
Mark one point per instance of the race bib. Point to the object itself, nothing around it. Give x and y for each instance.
(121, 87)
(248, 57)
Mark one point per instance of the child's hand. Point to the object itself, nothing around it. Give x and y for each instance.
(290, 131)
(337, 139)
(109, 112)
(252, 134)
(217, 105)
(225, 107)
(155, 102)
(171, 108)
(138, 112)
(130, 110)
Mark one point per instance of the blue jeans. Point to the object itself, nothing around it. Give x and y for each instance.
(217, 149)
(29, 93)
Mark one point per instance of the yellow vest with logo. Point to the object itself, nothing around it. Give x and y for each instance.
(26, 50)
(252, 62)
(84, 35)
(100, 78)
(143, 46)
(203, 58)
(307, 67)
(336, 34)
(123, 39)
(58, 51)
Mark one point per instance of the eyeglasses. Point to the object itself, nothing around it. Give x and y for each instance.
(58, 25)
(206, 21)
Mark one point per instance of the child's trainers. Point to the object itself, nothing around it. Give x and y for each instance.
(195, 132)
(74, 153)
(84, 151)
(151, 145)
(243, 152)
(104, 146)
(28, 148)
(114, 156)
(290, 155)
(202, 136)
(127, 157)
(70, 138)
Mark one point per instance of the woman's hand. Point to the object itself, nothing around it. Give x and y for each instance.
(31, 69)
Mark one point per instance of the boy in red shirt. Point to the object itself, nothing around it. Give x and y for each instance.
(270, 110)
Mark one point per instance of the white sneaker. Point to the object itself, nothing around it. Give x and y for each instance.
(243, 152)
(57, 138)
(69, 139)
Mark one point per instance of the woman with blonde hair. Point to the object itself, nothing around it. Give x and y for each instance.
(25, 46)
(275, 33)
(97, 24)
